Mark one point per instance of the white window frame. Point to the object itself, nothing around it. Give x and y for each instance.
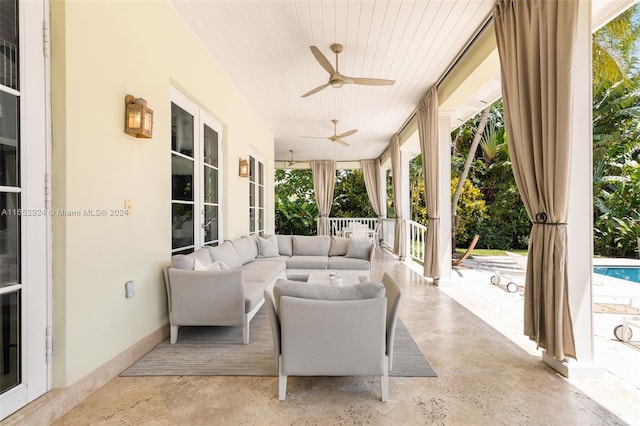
(255, 188)
(200, 118)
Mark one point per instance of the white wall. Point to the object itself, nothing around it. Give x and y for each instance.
(101, 51)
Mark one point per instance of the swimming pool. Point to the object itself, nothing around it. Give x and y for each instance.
(629, 273)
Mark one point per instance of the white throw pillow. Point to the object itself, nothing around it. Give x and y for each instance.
(215, 266)
(268, 247)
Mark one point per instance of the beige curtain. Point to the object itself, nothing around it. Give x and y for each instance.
(535, 43)
(371, 172)
(399, 238)
(427, 118)
(324, 178)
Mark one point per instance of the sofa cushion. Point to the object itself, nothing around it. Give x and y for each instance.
(342, 263)
(264, 276)
(285, 245)
(253, 294)
(227, 254)
(268, 247)
(247, 248)
(307, 262)
(304, 245)
(368, 290)
(360, 248)
(339, 246)
(182, 261)
(275, 263)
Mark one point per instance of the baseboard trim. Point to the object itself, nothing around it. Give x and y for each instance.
(57, 402)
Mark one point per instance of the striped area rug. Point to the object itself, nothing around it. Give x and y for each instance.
(218, 351)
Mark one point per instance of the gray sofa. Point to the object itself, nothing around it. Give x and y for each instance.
(243, 269)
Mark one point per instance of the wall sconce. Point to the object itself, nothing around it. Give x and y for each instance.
(138, 118)
(244, 168)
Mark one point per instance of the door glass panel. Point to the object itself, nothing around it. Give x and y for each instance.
(10, 320)
(252, 169)
(261, 196)
(182, 178)
(9, 170)
(181, 225)
(9, 44)
(210, 185)
(181, 131)
(9, 239)
(252, 219)
(210, 223)
(260, 219)
(210, 146)
(252, 197)
(260, 173)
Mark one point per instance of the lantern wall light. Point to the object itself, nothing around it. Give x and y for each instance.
(244, 168)
(138, 119)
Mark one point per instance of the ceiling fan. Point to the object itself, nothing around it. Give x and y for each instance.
(291, 163)
(335, 78)
(337, 138)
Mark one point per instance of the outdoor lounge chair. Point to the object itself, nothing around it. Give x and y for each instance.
(521, 263)
(458, 262)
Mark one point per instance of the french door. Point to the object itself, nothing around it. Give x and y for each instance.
(25, 335)
(196, 176)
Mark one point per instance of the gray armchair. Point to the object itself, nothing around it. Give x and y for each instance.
(320, 330)
(209, 298)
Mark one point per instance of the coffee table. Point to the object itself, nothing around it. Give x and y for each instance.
(348, 278)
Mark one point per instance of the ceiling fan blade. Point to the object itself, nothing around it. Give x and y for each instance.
(315, 137)
(322, 60)
(341, 142)
(345, 134)
(317, 89)
(371, 81)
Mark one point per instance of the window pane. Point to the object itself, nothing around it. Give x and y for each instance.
(9, 161)
(261, 196)
(210, 146)
(252, 169)
(181, 131)
(181, 225)
(9, 43)
(9, 239)
(10, 354)
(181, 178)
(252, 198)
(261, 173)
(252, 220)
(210, 223)
(210, 185)
(261, 219)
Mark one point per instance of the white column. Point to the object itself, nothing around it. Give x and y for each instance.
(444, 196)
(405, 190)
(580, 228)
(383, 191)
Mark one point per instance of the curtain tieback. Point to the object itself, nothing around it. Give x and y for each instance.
(541, 219)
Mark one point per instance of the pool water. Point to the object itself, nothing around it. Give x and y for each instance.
(628, 273)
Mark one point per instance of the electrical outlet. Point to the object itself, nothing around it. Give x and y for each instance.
(129, 289)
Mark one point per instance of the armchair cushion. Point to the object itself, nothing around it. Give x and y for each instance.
(227, 254)
(359, 248)
(368, 290)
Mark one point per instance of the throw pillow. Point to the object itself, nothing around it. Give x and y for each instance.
(339, 246)
(359, 248)
(268, 247)
(215, 266)
(227, 254)
(182, 261)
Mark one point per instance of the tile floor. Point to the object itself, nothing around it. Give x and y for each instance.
(486, 376)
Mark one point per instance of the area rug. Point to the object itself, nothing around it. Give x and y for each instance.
(218, 351)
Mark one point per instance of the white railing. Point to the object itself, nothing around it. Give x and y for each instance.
(415, 237)
(388, 232)
(336, 224)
